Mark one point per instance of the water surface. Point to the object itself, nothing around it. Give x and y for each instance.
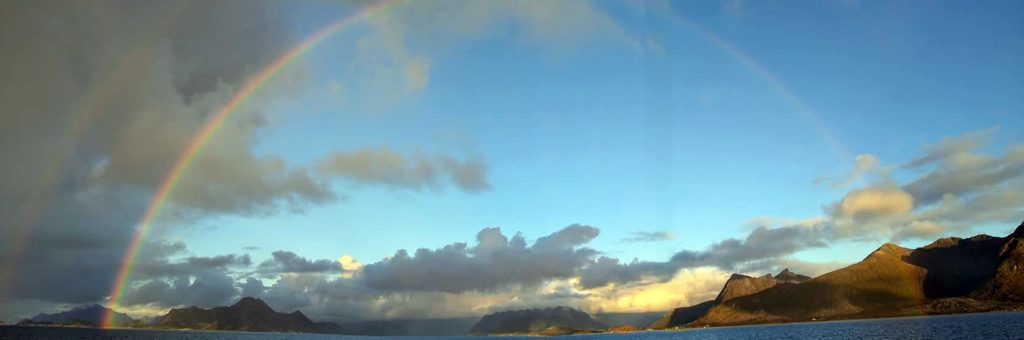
(965, 326)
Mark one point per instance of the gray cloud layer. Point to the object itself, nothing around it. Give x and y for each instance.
(289, 262)
(495, 262)
(384, 166)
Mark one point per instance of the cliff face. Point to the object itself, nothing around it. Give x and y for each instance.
(737, 286)
(536, 321)
(1008, 282)
(951, 275)
(742, 285)
(248, 314)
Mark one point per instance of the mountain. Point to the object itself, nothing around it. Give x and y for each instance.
(547, 321)
(950, 275)
(248, 314)
(787, 276)
(738, 285)
(86, 315)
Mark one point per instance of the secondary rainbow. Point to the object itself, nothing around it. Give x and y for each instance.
(774, 82)
(202, 137)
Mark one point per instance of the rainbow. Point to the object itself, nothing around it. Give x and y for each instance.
(202, 138)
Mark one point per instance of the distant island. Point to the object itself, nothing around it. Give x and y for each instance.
(547, 321)
(87, 316)
(951, 275)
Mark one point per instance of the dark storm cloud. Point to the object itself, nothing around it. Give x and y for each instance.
(289, 262)
(162, 267)
(205, 289)
(252, 287)
(99, 99)
(495, 262)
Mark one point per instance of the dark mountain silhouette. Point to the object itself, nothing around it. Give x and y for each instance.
(547, 321)
(248, 314)
(738, 285)
(86, 316)
(951, 275)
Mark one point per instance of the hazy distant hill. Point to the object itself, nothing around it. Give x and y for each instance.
(248, 314)
(633, 319)
(548, 321)
(738, 285)
(88, 315)
(951, 275)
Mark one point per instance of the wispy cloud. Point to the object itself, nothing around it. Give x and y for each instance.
(649, 236)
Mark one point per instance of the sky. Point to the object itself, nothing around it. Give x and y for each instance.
(455, 158)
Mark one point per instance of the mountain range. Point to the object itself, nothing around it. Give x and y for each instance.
(248, 314)
(950, 275)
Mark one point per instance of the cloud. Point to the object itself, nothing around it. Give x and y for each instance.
(874, 202)
(289, 262)
(395, 59)
(955, 168)
(96, 126)
(386, 167)
(649, 236)
(919, 230)
(205, 289)
(865, 165)
(685, 288)
(496, 262)
(93, 129)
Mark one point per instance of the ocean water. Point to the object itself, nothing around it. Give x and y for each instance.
(967, 326)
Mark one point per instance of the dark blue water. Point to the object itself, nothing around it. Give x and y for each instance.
(968, 326)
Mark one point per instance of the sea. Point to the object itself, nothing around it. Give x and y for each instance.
(1009, 325)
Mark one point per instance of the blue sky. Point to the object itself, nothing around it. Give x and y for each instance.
(677, 135)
